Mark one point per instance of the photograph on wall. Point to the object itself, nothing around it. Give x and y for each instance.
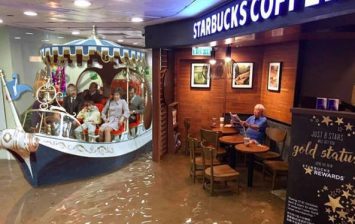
(274, 77)
(242, 75)
(200, 75)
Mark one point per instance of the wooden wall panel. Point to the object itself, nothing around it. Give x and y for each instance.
(278, 104)
(201, 105)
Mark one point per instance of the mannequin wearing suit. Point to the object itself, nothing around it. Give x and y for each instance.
(72, 103)
(136, 106)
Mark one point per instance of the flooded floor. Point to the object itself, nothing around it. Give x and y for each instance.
(142, 192)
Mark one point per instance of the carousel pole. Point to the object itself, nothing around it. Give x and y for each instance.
(127, 94)
(12, 106)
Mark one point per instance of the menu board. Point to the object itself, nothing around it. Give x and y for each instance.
(321, 182)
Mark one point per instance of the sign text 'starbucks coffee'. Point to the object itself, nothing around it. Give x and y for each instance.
(240, 13)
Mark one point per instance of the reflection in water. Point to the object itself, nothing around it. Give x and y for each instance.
(142, 192)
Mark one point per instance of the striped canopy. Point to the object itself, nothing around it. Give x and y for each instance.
(81, 50)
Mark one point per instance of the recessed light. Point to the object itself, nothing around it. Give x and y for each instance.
(46, 40)
(1, 21)
(75, 32)
(213, 43)
(17, 38)
(82, 3)
(29, 33)
(135, 43)
(120, 41)
(136, 20)
(60, 37)
(30, 13)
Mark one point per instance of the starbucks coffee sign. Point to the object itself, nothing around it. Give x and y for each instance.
(240, 13)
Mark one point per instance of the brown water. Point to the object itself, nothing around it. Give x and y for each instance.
(142, 192)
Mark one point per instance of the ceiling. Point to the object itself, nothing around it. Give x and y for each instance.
(111, 17)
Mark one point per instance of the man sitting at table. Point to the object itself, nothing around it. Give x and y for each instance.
(256, 125)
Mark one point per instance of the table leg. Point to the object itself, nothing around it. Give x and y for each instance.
(250, 169)
(231, 156)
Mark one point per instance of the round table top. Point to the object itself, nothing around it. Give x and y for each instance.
(251, 148)
(232, 139)
(225, 130)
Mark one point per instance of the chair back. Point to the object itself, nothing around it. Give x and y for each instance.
(208, 155)
(192, 143)
(278, 136)
(210, 138)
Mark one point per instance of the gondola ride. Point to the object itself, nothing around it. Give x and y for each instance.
(47, 151)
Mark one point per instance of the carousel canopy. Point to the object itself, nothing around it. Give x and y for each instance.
(82, 49)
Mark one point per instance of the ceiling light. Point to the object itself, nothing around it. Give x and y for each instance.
(75, 32)
(120, 41)
(135, 43)
(228, 41)
(136, 20)
(1, 21)
(29, 33)
(82, 3)
(60, 37)
(17, 38)
(213, 43)
(46, 40)
(30, 13)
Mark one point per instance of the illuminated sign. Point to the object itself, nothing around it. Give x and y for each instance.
(240, 13)
(201, 51)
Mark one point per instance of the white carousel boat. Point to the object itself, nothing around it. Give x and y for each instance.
(49, 156)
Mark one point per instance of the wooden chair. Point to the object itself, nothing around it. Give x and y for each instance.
(272, 161)
(196, 163)
(276, 168)
(276, 136)
(211, 138)
(219, 173)
(187, 126)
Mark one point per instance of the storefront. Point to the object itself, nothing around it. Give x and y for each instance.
(293, 52)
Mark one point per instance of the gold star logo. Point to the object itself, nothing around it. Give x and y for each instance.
(334, 203)
(351, 220)
(308, 170)
(353, 201)
(328, 210)
(326, 120)
(339, 121)
(349, 186)
(346, 194)
(348, 127)
(332, 218)
(342, 214)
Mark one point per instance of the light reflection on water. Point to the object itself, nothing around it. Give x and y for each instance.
(142, 192)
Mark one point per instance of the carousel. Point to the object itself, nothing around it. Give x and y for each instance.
(46, 142)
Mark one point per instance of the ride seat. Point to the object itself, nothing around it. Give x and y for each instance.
(136, 123)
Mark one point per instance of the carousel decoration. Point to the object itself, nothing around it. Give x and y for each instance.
(44, 143)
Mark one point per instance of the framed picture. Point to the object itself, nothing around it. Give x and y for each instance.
(242, 75)
(200, 75)
(274, 76)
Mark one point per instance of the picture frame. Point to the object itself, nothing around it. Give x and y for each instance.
(274, 76)
(200, 75)
(242, 75)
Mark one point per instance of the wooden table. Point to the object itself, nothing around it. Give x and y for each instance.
(231, 141)
(250, 150)
(226, 130)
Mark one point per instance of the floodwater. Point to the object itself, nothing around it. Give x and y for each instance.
(142, 192)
